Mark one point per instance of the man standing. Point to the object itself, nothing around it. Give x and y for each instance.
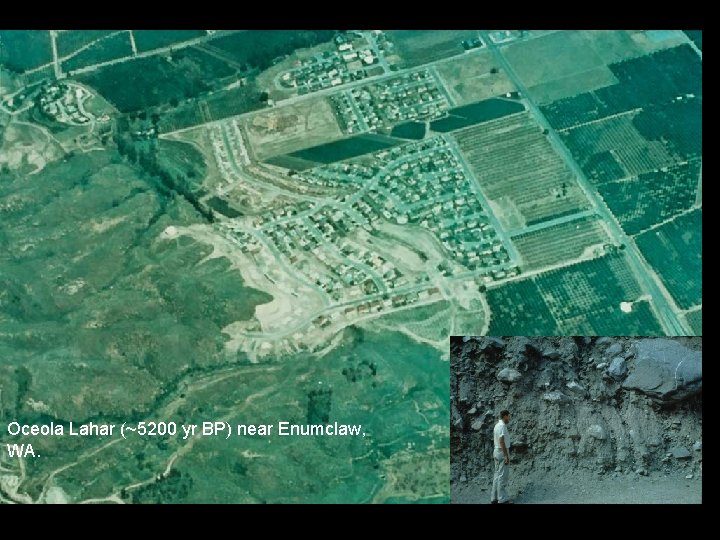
(501, 455)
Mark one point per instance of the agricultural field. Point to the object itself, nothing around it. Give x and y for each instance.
(518, 308)
(474, 77)
(21, 50)
(563, 242)
(525, 180)
(581, 299)
(614, 146)
(575, 66)
(674, 250)
(694, 319)
(147, 40)
(260, 48)
(416, 47)
(586, 298)
(214, 106)
(104, 49)
(617, 45)
(286, 129)
(69, 41)
(158, 80)
(645, 200)
(656, 79)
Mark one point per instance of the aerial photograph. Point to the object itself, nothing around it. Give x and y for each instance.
(252, 227)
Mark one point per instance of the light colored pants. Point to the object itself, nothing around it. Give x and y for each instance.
(500, 479)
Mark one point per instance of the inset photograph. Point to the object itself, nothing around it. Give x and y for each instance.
(575, 419)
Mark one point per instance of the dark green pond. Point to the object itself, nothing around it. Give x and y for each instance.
(409, 130)
(345, 148)
(475, 113)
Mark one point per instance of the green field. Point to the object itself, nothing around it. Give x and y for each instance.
(156, 80)
(559, 243)
(522, 175)
(345, 148)
(518, 309)
(655, 79)
(417, 47)
(21, 50)
(585, 299)
(260, 48)
(642, 201)
(182, 160)
(147, 40)
(559, 64)
(68, 41)
(581, 299)
(476, 113)
(674, 249)
(103, 50)
(694, 319)
(214, 106)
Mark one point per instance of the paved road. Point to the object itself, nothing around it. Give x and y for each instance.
(646, 277)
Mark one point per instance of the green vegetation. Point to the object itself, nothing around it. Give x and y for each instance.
(171, 489)
(157, 80)
(559, 243)
(476, 113)
(409, 130)
(655, 79)
(182, 160)
(260, 48)
(518, 308)
(222, 206)
(147, 40)
(647, 199)
(520, 171)
(694, 319)
(68, 41)
(214, 106)
(108, 48)
(581, 299)
(585, 299)
(678, 124)
(674, 249)
(21, 50)
(345, 148)
(417, 47)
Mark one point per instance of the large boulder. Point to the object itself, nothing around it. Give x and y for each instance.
(555, 397)
(680, 452)
(665, 370)
(508, 375)
(617, 368)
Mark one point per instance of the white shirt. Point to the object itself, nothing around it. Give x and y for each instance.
(501, 430)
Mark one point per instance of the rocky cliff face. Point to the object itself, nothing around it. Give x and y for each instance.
(603, 406)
